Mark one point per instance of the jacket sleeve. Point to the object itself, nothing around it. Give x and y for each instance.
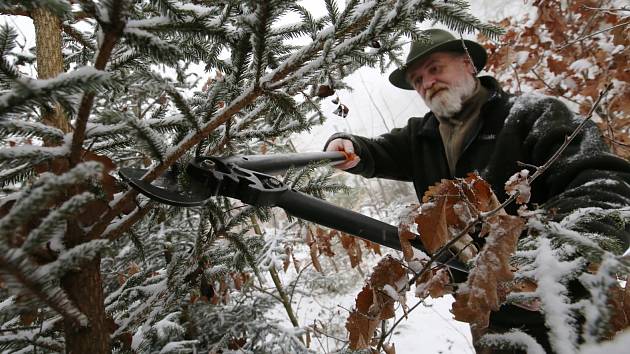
(587, 186)
(386, 156)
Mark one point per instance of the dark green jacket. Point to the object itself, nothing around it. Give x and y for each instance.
(528, 129)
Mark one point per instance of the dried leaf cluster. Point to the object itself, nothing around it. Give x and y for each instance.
(375, 302)
(320, 243)
(448, 208)
(572, 49)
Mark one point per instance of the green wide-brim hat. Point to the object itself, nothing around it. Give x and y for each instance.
(439, 41)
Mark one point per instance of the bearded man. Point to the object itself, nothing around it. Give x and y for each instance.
(474, 125)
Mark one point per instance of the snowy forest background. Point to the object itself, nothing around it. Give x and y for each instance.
(88, 265)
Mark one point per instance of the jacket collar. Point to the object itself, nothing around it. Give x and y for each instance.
(496, 99)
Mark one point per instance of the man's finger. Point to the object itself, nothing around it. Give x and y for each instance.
(335, 145)
(347, 146)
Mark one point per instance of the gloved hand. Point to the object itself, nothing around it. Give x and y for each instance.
(346, 146)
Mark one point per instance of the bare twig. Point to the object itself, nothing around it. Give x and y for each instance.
(555, 90)
(391, 330)
(16, 12)
(610, 9)
(623, 24)
(616, 142)
(472, 62)
(328, 335)
(518, 81)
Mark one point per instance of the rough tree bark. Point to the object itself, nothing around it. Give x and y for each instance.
(85, 287)
(49, 59)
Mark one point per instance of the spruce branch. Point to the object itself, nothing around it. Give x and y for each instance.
(8, 35)
(260, 31)
(30, 155)
(24, 275)
(55, 219)
(75, 258)
(78, 36)
(29, 92)
(14, 127)
(118, 229)
(184, 108)
(16, 175)
(149, 137)
(455, 15)
(46, 189)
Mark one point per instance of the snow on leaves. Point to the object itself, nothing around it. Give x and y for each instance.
(482, 294)
(376, 302)
(519, 183)
(448, 207)
(572, 50)
(448, 210)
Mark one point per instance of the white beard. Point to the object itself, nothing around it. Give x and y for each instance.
(449, 101)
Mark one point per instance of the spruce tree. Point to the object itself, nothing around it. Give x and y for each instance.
(90, 266)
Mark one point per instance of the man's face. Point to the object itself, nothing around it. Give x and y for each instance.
(444, 81)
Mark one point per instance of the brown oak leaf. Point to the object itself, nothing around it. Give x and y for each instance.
(375, 302)
(352, 247)
(360, 325)
(480, 296)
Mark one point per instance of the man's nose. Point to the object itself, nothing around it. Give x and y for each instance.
(428, 82)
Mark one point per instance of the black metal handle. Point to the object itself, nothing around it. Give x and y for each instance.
(279, 163)
(324, 213)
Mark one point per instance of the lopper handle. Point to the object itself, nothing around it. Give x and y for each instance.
(279, 163)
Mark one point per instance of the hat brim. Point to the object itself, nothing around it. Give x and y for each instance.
(478, 54)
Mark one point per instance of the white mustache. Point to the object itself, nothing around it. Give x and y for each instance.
(434, 89)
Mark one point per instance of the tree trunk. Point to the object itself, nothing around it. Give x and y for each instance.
(49, 60)
(84, 287)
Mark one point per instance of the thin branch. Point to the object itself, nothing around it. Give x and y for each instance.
(128, 221)
(555, 90)
(16, 12)
(113, 33)
(623, 24)
(610, 9)
(284, 299)
(571, 137)
(616, 142)
(72, 32)
(391, 330)
(326, 334)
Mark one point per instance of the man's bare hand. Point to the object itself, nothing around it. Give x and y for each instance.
(346, 146)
